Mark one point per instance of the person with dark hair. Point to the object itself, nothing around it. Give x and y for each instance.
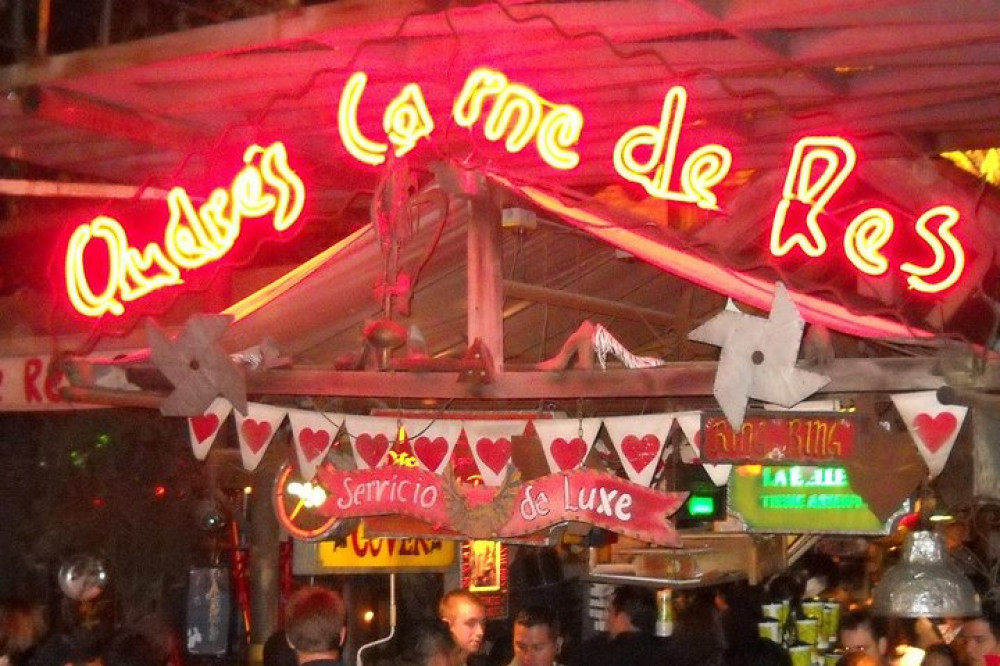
(314, 626)
(22, 627)
(759, 652)
(428, 644)
(80, 647)
(981, 636)
(939, 654)
(629, 639)
(537, 638)
(860, 631)
(277, 651)
(465, 615)
(133, 648)
(698, 638)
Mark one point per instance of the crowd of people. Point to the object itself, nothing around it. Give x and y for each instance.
(710, 630)
(717, 627)
(26, 640)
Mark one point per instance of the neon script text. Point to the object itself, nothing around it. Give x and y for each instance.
(818, 169)
(192, 237)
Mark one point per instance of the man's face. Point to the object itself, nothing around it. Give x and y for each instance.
(861, 639)
(979, 641)
(534, 646)
(466, 624)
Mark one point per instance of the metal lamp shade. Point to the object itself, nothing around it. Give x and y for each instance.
(925, 583)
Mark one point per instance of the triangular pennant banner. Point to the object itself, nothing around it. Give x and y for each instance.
(639, 441)
(491, 443)
(313, 433)
(566, 442)
(934, 427)
(205, 428)
(255, 431)
(432, 441)
(690, 423)
(371, 437)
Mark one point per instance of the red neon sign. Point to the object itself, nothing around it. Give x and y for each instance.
(818, 169)
(192, 238)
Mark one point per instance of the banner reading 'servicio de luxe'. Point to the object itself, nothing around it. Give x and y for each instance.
(599, 499)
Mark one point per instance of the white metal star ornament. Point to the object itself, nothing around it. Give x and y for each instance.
(758, 357)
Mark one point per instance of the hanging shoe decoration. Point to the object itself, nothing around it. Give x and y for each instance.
(592, 339)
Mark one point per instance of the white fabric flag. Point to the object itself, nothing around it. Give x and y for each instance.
(491, 444)
(255, 431)
(432, 441)
(690, 423)
(566, 442)
(313, 433)
(639, 441)
(205, 428)
(371, 437)
(933, 427)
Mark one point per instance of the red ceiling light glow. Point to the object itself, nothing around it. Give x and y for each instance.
(192, 237)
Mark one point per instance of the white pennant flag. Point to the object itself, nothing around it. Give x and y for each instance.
(491, 443)
(255, 431)
(205, 428)
(934, 427)
(432, 441)
(566, 442)
(690, 423)
(372, 438)
(639, 441)
(313, 433)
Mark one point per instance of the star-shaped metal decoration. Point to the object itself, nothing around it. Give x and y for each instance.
(197, 367)
(758, 357)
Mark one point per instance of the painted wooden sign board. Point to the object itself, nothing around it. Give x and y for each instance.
(358, 553)
(779, 437)
(802, 499)
(598, 499)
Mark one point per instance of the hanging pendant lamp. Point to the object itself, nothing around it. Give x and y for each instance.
(925, 583)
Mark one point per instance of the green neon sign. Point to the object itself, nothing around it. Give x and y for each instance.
(701, 505)
(798, 498)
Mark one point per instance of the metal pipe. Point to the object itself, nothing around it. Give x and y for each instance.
(392, 621)
(44, 14)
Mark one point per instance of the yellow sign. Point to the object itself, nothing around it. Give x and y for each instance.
(359, 552)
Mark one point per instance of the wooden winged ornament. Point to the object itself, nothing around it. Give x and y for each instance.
(197, 367)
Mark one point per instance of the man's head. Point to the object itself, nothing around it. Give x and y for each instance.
(863, 632)
(632, 608)
(981, 635)
(465, 616)
(536, 637)
(314, 623)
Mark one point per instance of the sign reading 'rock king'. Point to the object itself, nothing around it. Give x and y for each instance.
(803, 437)
(586, 496)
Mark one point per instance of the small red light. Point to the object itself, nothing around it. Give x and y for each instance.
(98, 503)
(160, 491)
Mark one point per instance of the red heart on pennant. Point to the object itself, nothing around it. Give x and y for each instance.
(640, 451)
(935, 430)
(430, 452)
(372, 449)
(568, 454)
(204, 426)
(256, 434)
(494, 453)
(313, 442)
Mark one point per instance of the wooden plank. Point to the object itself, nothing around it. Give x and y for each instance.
(567, 299)
(686, 379)
(485, 276)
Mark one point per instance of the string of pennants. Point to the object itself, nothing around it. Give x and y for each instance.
(638, 440)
